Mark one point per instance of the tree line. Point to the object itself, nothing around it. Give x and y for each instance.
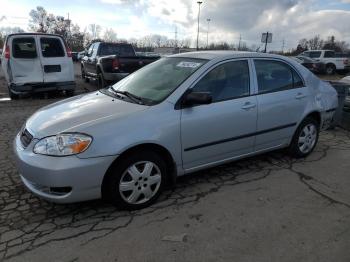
(44, 22)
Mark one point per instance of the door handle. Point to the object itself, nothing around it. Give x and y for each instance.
(300, 96)
(248, 106)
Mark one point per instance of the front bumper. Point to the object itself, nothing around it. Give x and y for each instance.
(61, 179)
(41, 87)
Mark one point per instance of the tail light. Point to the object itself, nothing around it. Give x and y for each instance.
(346, 61)
(115, 64)
(7, 52)
(68, 50)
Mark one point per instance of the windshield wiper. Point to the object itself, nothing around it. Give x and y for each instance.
(133, 97)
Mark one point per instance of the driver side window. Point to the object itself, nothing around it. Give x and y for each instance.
(226, 81)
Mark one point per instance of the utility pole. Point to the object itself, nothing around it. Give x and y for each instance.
(283, 45)
(267, 36)
(69, 38)
(199, 12)
(175, 37)
(208, 20)
(239, 43)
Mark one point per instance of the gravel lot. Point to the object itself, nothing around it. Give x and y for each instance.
(265, 208)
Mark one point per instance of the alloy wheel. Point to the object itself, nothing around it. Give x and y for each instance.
(307, 138)
(140, 182)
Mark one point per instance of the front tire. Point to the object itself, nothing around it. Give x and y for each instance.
(136, 181)
(12, 95)
(83, 75)
(305, 138)
(101, 83)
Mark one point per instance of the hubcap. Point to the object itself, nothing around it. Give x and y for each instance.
(140, 182)
(307, 138)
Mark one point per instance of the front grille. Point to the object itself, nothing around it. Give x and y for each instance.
(26, 138)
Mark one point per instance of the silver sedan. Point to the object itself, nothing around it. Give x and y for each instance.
(178, 115)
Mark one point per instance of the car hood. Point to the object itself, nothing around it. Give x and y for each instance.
(71, 115)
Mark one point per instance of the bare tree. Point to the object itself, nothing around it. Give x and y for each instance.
(39, 20)
(95, 30)
(110, 35)
(315, 43)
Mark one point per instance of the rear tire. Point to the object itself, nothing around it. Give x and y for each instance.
(70, 93)
(305, 138)
(136, 181)
(330, 69)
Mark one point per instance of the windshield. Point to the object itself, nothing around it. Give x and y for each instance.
(158, 80)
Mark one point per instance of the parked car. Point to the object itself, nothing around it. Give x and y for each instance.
(109, 62)
(34, 62)
(175, 116)
(311, 64)
(329, 58)
(347, 98)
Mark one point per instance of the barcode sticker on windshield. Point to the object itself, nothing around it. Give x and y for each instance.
(188, 64)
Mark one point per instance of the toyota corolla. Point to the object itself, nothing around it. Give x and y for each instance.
(178, 115)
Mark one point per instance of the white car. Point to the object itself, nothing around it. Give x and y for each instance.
(34, 62)
(328, 57)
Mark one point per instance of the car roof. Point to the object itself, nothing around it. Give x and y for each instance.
(211, 55)
(33, 34)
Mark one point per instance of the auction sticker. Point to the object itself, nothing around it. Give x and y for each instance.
(188, 64)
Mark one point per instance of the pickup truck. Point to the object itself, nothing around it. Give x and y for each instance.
(109, 62)
(329, 58)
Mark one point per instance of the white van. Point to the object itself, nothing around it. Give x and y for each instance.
(34, 62)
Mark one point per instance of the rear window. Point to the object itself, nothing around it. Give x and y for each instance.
(117, 49)
(51, 47)
(328, 54)
(24, 47)
(315, 54)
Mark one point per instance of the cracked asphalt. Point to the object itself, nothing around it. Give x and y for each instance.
(265, 208)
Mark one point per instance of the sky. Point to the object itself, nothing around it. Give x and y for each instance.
(288, 20)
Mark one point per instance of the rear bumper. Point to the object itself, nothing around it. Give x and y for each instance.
(114, 76)
(41, 87)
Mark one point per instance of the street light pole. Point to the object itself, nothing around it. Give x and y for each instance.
(199, 11)
(208, 20)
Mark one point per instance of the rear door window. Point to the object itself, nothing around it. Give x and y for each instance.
(275, 76)
(51, 47)
(24, 47)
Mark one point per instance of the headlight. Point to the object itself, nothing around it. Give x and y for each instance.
(63, 144)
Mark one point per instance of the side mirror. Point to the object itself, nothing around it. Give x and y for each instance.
(197, 98)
